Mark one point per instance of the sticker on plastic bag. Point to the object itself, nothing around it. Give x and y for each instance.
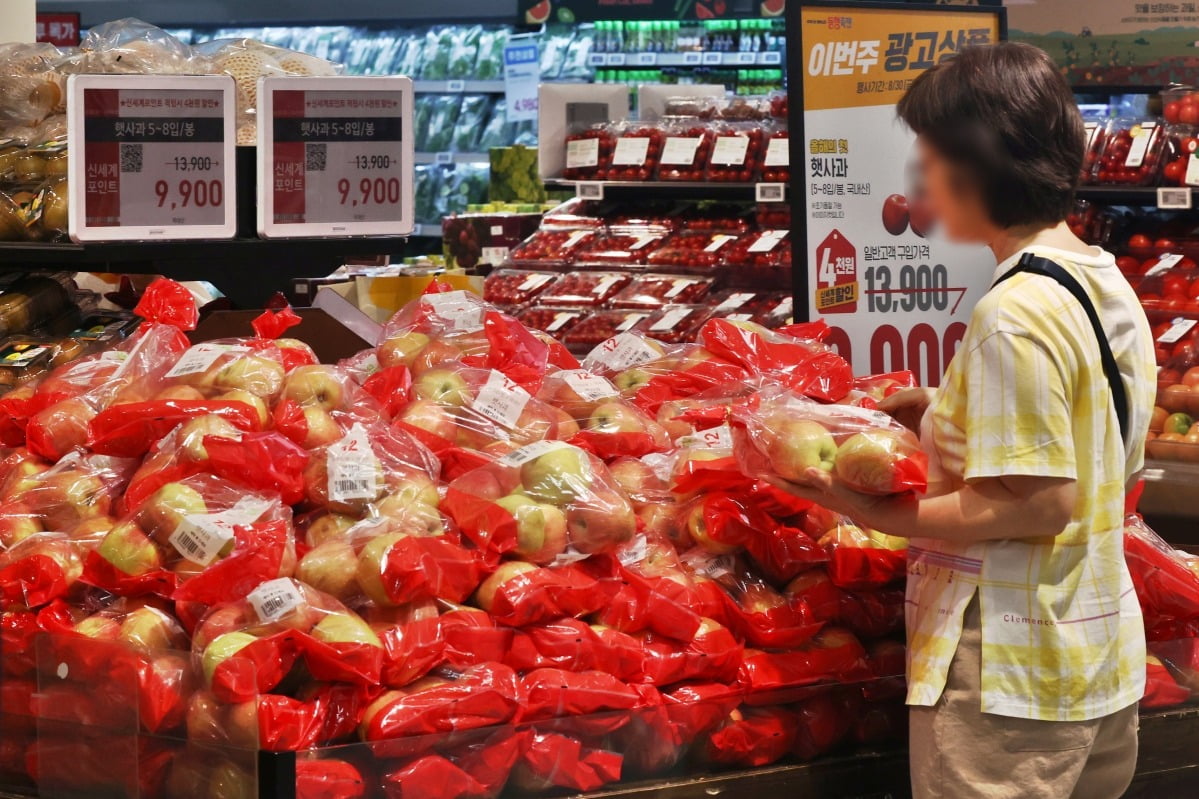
(631, 151)
(200, 538)
(501, 399)
(623, 351)
(634, 551)
(200, 357)
(531, 452)
(353, 468)
(714, 438)
(730, 150)
(456, 309)
(680, 150)
(275, 599)
(589, 387)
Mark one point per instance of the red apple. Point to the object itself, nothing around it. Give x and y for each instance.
(508, 570)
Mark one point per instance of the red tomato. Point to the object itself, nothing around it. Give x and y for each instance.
(1175, 171)
(1161, 328)
(1168, 377)
(1193, 291)
(1192, 307)
(1128, 265)
(1139, 241)
(1170, 112)
(1160, 355)
(1174, 303)
(1191, 378)
(1164, 245)
(1188, 112)
(1175, 284)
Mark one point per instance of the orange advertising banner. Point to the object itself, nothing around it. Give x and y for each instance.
(856, 57)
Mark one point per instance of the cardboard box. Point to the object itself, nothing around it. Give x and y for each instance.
(334, 332)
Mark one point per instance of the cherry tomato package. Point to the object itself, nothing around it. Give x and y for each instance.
(210, 537)
(785, 434)
(539, 501)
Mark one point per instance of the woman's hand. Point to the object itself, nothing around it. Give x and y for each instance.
(820, 487)
(908, 406)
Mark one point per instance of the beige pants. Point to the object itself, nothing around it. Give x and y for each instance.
(958, 752)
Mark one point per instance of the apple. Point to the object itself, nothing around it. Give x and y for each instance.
(402, 350)
(329, 527)
(241, 724)
(867, 461)
(297, 350)
(103, 628)
(330, 568)
(796, 445)
(205, 719)
(845, 534)
(130, 550)
(661, 521)
(372, 563)
(616, 417)
(179, 394)
(434, 354)
(345, 628)
(413, 488)
(385, 700)
(23, 477)
(707, 627)
(430, 417)
(490, 484)
(508, 570)
(537, 422)
(565, 425)
(817, 520)
(260, 376)
(65, 425)
(150, 628)
(221, 649)
(64, 553)
(319, 428)
(540, 528)
(411, 518)
(668, 418)
(1177, 423)
(636, 479)
(558, 477)
(630, 380)
(697, 526)
(442, 386)
(500, 448)
(192, 432)
(599, 526)
(17, 524)
(230, 781)
(167, 507)
(314, 385)
(247, 398)
(67, 498)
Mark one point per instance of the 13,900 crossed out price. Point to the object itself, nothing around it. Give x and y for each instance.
(376, 191)
(190, 193)
(921, 288)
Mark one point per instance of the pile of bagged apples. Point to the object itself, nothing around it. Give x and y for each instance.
(482, 561)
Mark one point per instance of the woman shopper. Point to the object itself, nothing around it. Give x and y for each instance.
(1026, 648)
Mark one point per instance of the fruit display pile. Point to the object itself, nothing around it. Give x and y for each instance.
(464, 555)
(594, 270)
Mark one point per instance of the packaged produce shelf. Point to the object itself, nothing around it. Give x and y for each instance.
(771, 58)
(668, 189)
(458, 86)
(1124, 195)
(451, 158)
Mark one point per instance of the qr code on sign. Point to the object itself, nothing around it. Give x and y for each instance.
(315, 157)
(131, 158)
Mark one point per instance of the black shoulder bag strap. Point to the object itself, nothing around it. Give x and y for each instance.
(1047, 268)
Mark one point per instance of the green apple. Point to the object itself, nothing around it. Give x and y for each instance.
(345, 628)
(17, 524)
(540, 528)
(632, 379)
(331, 568)
(130, 550)
(372, 562)
(442, 386)
(221, 649)
(558, 477)
(314, 385)
(104, 628)
(796, 445)
(1178, 423)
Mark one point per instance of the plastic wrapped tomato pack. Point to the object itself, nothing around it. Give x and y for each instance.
(626, 247)
(511, 287)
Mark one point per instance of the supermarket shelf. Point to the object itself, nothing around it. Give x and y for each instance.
(772, 58)
(1146, 196)
(458, 86)
(1168, 502)
(669, 190)
(451, 158)
(427, 230)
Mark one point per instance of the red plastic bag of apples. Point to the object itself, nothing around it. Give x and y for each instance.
(655, 593)
(77, 496)
(586, 703)
(863, 560)
(803, 365)
(62, 422)
(39, 569)
(1161, 689)
(1166, 583)
(318, 404)
(212, 538)
(519, 593)
(608, 426)
(785, 434)
(538, 501)
(752, 737)
(246, 647)
(551, 760)
(473, 766)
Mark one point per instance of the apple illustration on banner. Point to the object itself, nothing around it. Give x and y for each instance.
(895, 214)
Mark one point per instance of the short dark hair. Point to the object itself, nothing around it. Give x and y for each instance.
(1004, 115)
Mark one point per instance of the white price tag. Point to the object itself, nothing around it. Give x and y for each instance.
(785, 306)
(561, 319)
(634, 551)
(1192, 176)
(151, 157)
(714, 438)
(457, 309)
(455, 86)
(680, 151)
(646, 59)
(582, 153)
(605, 283)
(740, 317)
(336, 156)
(494, 255)
(201, 357)
(778, 153)
(534, 282)
(590, 387)
(730, 150)
(1141, 139)
(768, 240)
(574, 238)
(670, 319)
(621, 352)
(501, 400)
(1174, 197)
(718, 241)
(353, 468)
(1177, 330)
(630, 321)
(692, 59)
(589, 190)
(735, 301)
(771, 58)
(712, 59)
(631, 151)
(275, 599)
(531, 452)
(369, 364)
(617, 59)
(200, 537)
(677, 287)
(1165, 263)
(443, 158)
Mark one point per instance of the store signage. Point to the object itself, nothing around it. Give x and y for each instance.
(335, 157)
(539, 12)
(896, 295)
(522, 77)
(151, 157)
(61, 30)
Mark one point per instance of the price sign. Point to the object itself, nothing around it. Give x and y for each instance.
(522, 77)
(335, 157)
(151, 157)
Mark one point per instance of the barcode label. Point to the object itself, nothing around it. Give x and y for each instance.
(275, 599)
(582, 153)
(531, 452)
(588, 386)
(200, 538)
(1175, 198)
(631, 151)
(316, 156)
(131, 158)
(501, 400)
(634, 551)
(621, 352)
(353, 468)
(771, 192)
(200, 357)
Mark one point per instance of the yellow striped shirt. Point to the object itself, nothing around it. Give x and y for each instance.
(1062, 635)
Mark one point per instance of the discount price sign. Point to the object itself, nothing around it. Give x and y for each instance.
(151, 157)
(895, 295)
(335, 157)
